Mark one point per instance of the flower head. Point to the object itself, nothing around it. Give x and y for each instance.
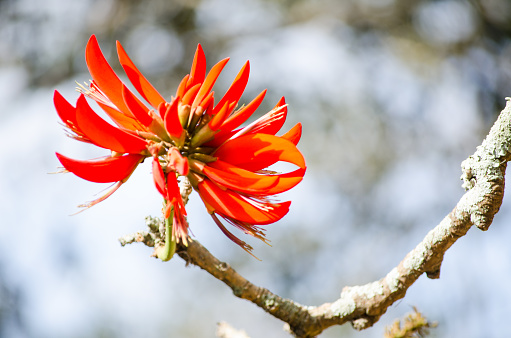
(187, 136)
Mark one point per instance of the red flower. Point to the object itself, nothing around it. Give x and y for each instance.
(188, 136)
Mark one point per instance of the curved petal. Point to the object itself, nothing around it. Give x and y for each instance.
(207, 101)
(294, 134)
(233, 121)
(65, 110)
(258, 151)
(287, 181)
(230, 204)
(179, 225)
(136, 107)
(247, 182)
(270, 123)
(236, 89)
(67, 114)
(103, 74)
(110, 169)
(239, 179)
(177, 162)
(181, 89)
(190, 94)
(121, 119)
(171, 120)
(159, 178)
(139, 81)
(240, 116)
(209, 81)
(103, 134)
(219, 117)
(174, 195)
(220, 138)
(273, 121)
(198, 71)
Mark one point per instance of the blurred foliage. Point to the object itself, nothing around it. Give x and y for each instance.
(477, 31)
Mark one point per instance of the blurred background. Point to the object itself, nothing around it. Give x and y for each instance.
(392, 94)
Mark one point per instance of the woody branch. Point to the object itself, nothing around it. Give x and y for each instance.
(483, 178)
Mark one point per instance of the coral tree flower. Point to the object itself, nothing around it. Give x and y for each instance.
(189, 135)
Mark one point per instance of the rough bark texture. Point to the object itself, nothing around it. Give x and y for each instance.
(483, 178)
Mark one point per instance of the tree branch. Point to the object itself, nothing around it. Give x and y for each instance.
(483, 176)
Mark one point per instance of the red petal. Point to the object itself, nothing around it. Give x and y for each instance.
(191, 94)
(239, 179)
(103, 134)
(274, 126)
(207, 101)
(121, 119)
(198, 71)
(271, 122)
(143, 86)
(258, 151)
(287, 181)
(219, 118)
(179, 225)
(182, 86)
(209, 81)
(111, 169)
(174, 195)
(233, 121)
(103, 75)
(67, 114)
(281, 183)
(159, 178)
(178, 162)
(243, 114)
(219, 140)
(136, 107)
(233, 205)
(282, 102)
(236, 89)
(171, 120)
(65, 110)
(294, 134)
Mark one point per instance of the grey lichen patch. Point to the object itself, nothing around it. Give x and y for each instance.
(369, 291)
(415, 259)
(153, 223)
(345, 305)
(491, 154)
(393, 280)
(270, 301)
(438, 234)
(471, 202)
(222, 266)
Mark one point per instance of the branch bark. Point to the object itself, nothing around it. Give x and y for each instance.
(483, 178)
